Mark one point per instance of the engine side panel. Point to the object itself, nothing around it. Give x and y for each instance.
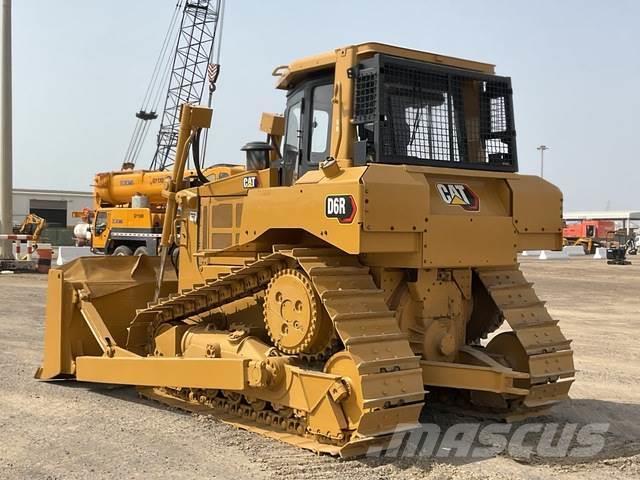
(395, 216)
(457, 218)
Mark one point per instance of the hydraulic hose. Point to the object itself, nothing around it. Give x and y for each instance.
(195, 151)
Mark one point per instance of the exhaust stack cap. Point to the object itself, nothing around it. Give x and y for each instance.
(257, 155)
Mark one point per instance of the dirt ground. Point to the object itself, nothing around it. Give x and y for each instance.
(65, 430)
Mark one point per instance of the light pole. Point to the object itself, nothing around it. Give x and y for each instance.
(6, 183)
(542, 148)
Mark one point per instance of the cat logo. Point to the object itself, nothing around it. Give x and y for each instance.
(342, 207)
(460, 195)
(250, 182)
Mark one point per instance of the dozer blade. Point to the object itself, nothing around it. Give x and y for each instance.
(117, 287)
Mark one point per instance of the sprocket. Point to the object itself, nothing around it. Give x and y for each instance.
(294, 315)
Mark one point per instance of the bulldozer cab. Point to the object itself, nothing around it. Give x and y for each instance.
(403, 107)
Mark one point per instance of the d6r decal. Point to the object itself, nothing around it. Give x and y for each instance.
(342, 207)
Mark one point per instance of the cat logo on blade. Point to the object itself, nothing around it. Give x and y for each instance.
(342, 207)
(460, 195)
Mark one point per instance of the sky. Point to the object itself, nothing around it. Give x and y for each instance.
(80, 70)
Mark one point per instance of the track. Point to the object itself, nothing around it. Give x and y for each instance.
(386, 379)
(536, 345)
(390, 386)
(387, 391)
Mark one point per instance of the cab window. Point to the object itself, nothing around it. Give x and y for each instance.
(292, 138)
(292, 142)
(101, 222)
(320, 121)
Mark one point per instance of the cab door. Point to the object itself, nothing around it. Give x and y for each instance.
(101, 229)
(308, 126)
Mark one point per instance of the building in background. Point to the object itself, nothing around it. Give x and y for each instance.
(55, 206)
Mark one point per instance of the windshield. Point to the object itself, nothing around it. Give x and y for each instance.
(101, 222)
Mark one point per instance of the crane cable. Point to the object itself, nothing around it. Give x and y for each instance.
(147, 110)
(155, 103)
(148, 107)
(163, 58)
(159, 95)
(216, 66)
(163, 50)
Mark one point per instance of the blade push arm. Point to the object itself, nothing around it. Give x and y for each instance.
(192, 119)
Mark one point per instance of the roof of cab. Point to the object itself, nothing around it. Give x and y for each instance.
(290, 74)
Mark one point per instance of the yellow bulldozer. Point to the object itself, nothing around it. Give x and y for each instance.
(361, 260)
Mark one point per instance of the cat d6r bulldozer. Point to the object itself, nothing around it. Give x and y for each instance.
(361, 260)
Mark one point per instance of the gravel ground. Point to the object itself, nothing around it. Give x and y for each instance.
(65, 430)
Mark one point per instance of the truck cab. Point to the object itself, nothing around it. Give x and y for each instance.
(126, 231)
(129, 209)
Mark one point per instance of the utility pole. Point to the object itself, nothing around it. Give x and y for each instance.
(6, 147)
(542, 148)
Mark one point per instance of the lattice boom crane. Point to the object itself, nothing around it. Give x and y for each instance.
(194, 63)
